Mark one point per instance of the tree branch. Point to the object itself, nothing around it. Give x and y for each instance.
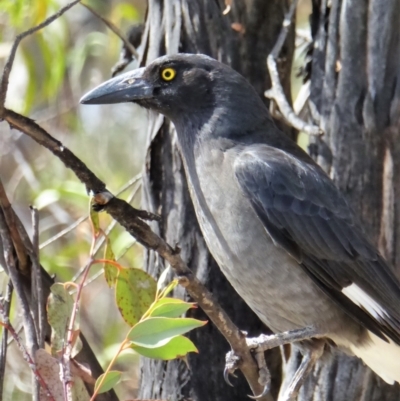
(276, 93)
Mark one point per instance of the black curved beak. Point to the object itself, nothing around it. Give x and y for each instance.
(127, 87)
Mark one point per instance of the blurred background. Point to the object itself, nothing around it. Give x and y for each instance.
(53, 69)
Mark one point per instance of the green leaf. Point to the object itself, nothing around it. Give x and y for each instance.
(169, 288)
(176, 348)
(157, 331)
(59, 310)
(112, 378)
(171, 309)
(94, 218)
(110, 271)
(135, 291)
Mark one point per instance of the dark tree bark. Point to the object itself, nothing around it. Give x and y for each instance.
(242, 38)
(355, 99)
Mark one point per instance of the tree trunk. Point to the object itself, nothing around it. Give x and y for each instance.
(355, 99)
(355, 91)
(242, 38)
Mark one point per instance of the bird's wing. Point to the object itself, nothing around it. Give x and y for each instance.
(306, 215)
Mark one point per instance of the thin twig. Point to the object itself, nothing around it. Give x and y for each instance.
(11, 218)
(76, 223)
(101, 271)
(5, 322)
(37, 279)
(277, 93)
(117, 31)
(14, 275)
(110, 227)
(67, 351)
(4, 339)
(64, 232)
(7, 68)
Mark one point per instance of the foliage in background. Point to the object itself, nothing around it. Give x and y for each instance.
(53, 69)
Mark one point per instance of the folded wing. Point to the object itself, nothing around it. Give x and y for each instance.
(306, 215)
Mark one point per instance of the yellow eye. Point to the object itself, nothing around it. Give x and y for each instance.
(168, 74)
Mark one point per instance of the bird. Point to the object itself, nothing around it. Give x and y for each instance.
(281, 232)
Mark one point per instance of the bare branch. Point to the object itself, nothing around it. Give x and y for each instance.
(7, 326)
(7, 68)
(276, 93)
(6, 216)
(6, 301)
(37, 283)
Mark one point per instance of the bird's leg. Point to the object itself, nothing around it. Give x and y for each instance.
(310, 357)
(258, 345)
(265, 342)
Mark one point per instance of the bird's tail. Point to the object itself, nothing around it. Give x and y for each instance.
(382, 357)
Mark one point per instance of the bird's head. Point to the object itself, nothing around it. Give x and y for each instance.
(185, 88)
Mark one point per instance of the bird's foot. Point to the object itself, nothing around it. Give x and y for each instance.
(231, 364)
(264, 376)
(258, 345)
(311, 355)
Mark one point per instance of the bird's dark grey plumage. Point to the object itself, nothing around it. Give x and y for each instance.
(281, 232)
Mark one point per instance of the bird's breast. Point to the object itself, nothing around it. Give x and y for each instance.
(264, 275)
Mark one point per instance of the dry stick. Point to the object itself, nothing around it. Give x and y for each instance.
(6, 301)
(37, 279)
(128, 44)
(67, 351)
(5, 322)
(130, 218)
(6, 216)
(11, 220)
(7, 68)
(29, 326)
(277, 93)
(64, 232)
(36, 289)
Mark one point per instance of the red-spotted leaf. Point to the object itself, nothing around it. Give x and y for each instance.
(110, 271)
(157, 331)
(177, 347)
(135, 291)
(112, 378)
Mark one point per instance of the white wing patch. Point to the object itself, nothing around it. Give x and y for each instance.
(363, 300)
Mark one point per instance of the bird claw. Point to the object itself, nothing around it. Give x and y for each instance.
(227, 372)
(231, 364)
(264, 392)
